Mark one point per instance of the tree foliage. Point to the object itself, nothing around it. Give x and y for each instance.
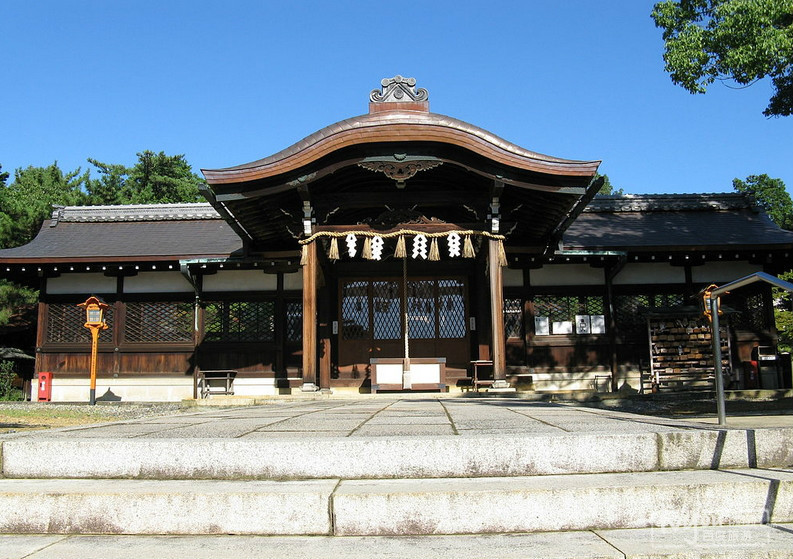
(28, 200)
(770, 195)
(738, 40)
(155, 178)
(608, 188)
(783, 314)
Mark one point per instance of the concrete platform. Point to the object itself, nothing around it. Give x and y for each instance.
(339, 474)
(773, 541)
(397, 507)
(389, 438)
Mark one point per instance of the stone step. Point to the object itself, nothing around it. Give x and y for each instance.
(394, 457)
(744, 542)
(398, 506)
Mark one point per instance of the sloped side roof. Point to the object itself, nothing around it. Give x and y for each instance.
(124, 233)
(674, 221)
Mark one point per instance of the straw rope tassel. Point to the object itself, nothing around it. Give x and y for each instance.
(400, 251)
(468, 248)
(366, 253)
(333, 253)
(434, 252)
(502, 254)
(304, 255)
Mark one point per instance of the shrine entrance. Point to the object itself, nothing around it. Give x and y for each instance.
(373, 315)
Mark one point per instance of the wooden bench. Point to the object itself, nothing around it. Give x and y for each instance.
(481, 373)
(220, 382)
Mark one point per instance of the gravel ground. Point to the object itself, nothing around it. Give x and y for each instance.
(16, 417)
(120, 411)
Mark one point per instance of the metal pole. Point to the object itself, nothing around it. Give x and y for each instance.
(716, 339)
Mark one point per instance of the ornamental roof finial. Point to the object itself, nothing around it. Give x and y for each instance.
(399, 93)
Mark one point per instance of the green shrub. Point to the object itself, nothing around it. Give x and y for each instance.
(7, 375)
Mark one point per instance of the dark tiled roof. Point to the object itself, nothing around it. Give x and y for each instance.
(167, 231)
(172, 231)
(669, 220)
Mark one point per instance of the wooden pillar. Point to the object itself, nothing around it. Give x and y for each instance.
(608, 273)
(497, 316)
(310, 319)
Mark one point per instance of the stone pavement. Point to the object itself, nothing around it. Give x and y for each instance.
(384, 416)
(713, 542)
(608, 483)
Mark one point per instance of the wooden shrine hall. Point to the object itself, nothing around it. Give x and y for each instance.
(397, 250)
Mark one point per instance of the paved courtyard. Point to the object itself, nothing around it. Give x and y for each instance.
(385, 416)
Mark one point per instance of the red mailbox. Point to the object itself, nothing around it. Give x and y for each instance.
(45, 387)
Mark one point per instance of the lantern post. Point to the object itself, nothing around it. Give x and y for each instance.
(95, 321)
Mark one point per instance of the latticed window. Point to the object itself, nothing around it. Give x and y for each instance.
(752, 315)
(374, 309)
(240, 321)
(159, 322)
(294, 321)
(513, 318)
(630, 311)
(451, 309)
(568, 314)
(66, 321)
(355, 310)
(386, 310)
(421, 309)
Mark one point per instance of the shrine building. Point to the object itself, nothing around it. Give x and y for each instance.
(399, 250)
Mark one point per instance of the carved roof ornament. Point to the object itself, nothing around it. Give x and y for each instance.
(398, 90)
(400, 171)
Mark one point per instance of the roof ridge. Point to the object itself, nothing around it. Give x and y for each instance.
(134, 212)
(669, 202)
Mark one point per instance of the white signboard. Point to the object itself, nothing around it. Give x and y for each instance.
(597, 324)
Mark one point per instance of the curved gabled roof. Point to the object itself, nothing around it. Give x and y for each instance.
(400, 126)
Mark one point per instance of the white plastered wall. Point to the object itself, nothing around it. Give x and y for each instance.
(157, 282)
(147, 389)
(81, 284)
(723, 272)
(240, 280)
(566, 274)
(650, 273)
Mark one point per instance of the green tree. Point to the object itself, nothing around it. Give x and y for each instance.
(155, 178)
(608, 188)
(109, 187)
(783, 314)
(771, 195)
(28, 200)
(730, 40)
(3, 177)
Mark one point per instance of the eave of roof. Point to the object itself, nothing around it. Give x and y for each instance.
(399, 126)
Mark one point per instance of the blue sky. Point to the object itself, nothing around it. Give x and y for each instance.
(229, 82)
